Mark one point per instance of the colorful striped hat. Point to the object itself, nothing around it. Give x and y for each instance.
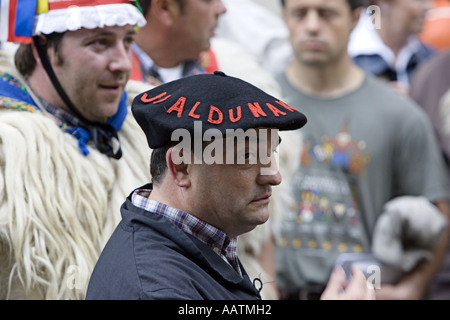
(22, 19)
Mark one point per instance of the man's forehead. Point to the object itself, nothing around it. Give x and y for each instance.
(255, 135)
(268, 135)
(315, 4)
(112, 31)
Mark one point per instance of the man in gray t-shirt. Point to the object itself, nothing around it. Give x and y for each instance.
(363, 146)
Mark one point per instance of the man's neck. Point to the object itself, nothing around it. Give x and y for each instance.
(393, 38)
(156, 46)
(330, 81)
(42, 86)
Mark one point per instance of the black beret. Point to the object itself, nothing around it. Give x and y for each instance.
(217, 100)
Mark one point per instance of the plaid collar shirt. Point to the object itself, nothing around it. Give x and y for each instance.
(225, 247)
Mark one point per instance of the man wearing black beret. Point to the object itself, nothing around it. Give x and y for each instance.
(213, 168)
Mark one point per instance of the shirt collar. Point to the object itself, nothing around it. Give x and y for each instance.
(164, 75)
(219, 242)
(147, 63)
(365, 40)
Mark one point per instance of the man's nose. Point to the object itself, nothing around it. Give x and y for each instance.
(269, 174)
(312, 21)
(221, 8)
(121, 59)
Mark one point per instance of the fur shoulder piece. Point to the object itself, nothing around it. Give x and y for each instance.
(57, 207)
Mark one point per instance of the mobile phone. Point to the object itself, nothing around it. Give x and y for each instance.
(375, 271)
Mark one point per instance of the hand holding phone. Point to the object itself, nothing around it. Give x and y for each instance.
(339, 288)
(373, 269)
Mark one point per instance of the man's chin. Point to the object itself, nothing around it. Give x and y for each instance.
(108, 110)
(261, 218)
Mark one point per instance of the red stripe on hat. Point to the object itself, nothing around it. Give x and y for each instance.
(12, 19)
(12, 25)
(82, 3)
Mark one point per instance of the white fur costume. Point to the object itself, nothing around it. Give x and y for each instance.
(57, 207)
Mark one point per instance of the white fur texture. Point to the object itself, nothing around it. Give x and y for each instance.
(57, 207)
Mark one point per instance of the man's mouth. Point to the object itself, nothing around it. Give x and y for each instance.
(263, 199)
(113, 87)
(313, 45)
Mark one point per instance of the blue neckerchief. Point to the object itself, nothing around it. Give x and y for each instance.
(12, 90)
(83, 136)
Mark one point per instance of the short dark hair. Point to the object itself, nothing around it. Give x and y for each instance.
(158, 165)
(24, 59)
(146, 4)
(354, 4)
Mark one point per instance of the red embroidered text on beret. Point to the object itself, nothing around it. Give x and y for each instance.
(216, 100)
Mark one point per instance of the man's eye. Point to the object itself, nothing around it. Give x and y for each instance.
(99, 43)
(129, 40)
(299, 14)
(327, 14)
(249, 157)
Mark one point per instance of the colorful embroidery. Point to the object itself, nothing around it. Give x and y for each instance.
(6, 77)
(10, 103)
(20, 105)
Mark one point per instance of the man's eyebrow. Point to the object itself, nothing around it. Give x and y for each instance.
(132, 32)
(108, 33)
(258, 140)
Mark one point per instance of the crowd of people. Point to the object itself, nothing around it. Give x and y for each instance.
(355, 95)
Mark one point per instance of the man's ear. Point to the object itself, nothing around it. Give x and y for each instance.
(34, 50)
(50, 52)
(178, 167)
(166, 10)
